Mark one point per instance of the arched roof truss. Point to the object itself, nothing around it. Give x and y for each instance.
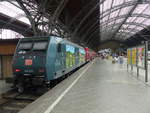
(121, 19)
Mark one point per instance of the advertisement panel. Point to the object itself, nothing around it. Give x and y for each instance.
(134, 53)
(141, 56)
(82, 55)
(129, 56)
(70, 57)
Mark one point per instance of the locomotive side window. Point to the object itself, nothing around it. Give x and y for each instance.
(40, 46)
(59, 48)
(25, 46)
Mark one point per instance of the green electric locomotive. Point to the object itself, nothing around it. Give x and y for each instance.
(40, 60)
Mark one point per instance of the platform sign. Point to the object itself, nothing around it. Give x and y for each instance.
(129, 56)
(141, 56)
(134, 56)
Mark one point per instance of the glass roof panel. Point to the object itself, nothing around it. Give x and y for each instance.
(129, 0)
(147, 11)
(131, 19)
(124, 35)
(125, 10)
(101, 8)
(13, 11)
(109, 28)
(9, 34)
(114, 14)
(107, 4)
(133, 26)
(140, 8)
(139, 28)
(146, 22)
(130, 27)
(136, 19)
(139, 20)
(118, 2)
(126, 31)
(111, 24)
(125, 26)
(105, 18)
(119, 20)
(129, 23)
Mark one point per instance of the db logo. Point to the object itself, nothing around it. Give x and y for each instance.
(28, 62)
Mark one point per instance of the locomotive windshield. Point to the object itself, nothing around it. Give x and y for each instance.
(32, 46)
(25, 46)
(40, 46)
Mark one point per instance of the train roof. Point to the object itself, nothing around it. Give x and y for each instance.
(73, 43)
(34, 38)
(48, 37)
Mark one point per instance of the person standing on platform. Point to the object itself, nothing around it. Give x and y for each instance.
(121, 59)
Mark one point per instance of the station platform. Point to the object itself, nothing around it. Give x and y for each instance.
(98, 87)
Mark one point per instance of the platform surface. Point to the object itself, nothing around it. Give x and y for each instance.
(99, 87)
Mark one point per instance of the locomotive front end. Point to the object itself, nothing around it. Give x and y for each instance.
(29, 63)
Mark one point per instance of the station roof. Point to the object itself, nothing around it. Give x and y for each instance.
(124, 19)
(12, 9)
(92, 22)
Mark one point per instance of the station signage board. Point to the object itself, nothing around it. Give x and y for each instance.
(141, 56)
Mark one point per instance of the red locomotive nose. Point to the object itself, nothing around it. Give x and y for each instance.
(17, 70)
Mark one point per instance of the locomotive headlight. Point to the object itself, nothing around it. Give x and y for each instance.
(17, 70)
(41, 70)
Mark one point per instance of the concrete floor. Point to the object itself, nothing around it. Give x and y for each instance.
(4, 86)
(103, 88)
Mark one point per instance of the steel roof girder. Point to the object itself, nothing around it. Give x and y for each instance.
(7, 27)
(80, 13)
(88, 30)
(91, 35)
(90, 22)
(110, 11)
(85, 17)
(29, 15)
(125, 19)
(130, 23)
(93, 42)
(133, 15)
(59, 9)
(118, 7)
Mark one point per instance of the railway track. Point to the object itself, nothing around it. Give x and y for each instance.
(13, 102)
